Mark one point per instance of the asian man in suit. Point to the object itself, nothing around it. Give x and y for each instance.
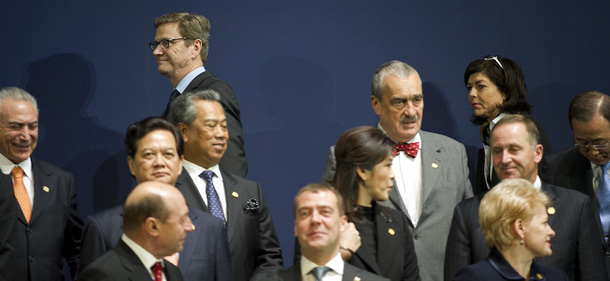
(516, 152)
(582, 167)
(155, 150)
(319, 219)
(181, 50)
(48, 227)
(255, 249)
(155, 225)
(431, 170)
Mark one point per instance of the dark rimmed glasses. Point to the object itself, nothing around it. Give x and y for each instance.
(596, 147)
(164, 44)
(494, 58)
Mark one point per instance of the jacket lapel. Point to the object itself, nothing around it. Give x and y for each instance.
(188, 250)
(233, 203)
(43, 191)
(185, 184)
(431, 165)
(387, 239)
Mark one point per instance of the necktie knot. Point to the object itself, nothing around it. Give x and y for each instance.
(319, 271)
(207, 175)
(410, 149)
(17, 172)
(157, 270)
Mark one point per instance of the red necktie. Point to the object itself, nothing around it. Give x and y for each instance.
(157, 270)
(21, 193)
(410, 149)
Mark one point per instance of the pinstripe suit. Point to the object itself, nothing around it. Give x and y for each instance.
(575, 245)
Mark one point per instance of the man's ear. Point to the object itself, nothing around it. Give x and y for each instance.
(130, 164)
(376, 103)
(183, 128)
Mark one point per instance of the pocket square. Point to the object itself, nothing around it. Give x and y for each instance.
(251, 206)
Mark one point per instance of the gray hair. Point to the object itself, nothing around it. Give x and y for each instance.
(394, 67)
(184, 111)
(18, 94)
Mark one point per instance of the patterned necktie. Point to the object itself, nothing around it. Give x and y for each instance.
(603, 199)
(485, 132)
(157, 270)
(410, 149)
(213, 200)
(318, 272)
(21, 193)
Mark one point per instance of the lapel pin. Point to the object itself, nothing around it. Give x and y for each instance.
(539, 276)
(434, 165)
(550, 210)
(391, 231)
(45, 188)
(235, 194)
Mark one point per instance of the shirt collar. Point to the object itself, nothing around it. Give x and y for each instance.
(7, 166)
(496, 120)
(416, 138)
(194, 169)
(537, 183)
(188, 78)
(145, 257)
(336, 264)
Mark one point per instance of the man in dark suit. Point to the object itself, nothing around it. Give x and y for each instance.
(181, 50)
(8, 208)
(431, 170)
(48, 226)
(319, 219)
(516, 153)
(155, 150)
(155, 225)
(581, 168)
(255, 249)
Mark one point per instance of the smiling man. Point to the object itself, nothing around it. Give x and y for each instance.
(516, 152)
(48, 227)
(318, 221)
(240, 203)
(181, 48)
(431, 170)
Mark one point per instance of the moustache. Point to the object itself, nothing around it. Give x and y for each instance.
(409, 118)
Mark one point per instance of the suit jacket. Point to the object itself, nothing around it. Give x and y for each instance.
(445, 184)
(54, 230)
(205, 255)
(234, 159)
(350, 273)
(121, 263)
(497, 268)
(396, 258)
(570, 169)
(575, 246)
(253, 243)
(8, 208)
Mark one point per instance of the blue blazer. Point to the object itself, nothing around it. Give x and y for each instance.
(496, 268)
(205, 255)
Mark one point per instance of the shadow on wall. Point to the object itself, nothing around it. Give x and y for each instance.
(299, 94)
(64, 85)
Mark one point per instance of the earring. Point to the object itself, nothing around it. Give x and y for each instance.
(521, 242)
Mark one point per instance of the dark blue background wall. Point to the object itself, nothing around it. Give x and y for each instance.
(301, 71)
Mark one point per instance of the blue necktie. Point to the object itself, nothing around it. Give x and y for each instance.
(603, 199)
(170, 103)
(318, 272)
(213, 200)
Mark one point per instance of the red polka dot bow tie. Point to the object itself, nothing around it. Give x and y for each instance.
(410, 149)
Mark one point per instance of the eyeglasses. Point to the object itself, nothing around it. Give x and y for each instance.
(164, 44)
(596, 147)
(494, 58)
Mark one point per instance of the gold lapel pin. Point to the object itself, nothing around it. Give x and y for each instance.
(550, 210)
(391, 231)
(45, 188)
(539, 276)
(434, 165)
(235, 194)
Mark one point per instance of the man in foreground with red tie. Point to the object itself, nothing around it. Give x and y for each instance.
(48, 227)
(155, 225)
(431, 170)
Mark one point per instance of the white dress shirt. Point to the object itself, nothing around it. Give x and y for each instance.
(147, 259)
(195, 170)
(335, 274)
(189, 78)
(7, 166)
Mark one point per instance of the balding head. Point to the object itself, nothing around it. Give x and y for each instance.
(155, 216)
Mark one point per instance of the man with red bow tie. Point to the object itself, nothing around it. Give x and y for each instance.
(431, 170)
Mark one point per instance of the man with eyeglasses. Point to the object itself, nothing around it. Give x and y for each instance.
(585, 166)
(181, 49)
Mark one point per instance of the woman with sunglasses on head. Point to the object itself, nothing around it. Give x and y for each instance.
(364, 176)
(495, 87)
(514, 221)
